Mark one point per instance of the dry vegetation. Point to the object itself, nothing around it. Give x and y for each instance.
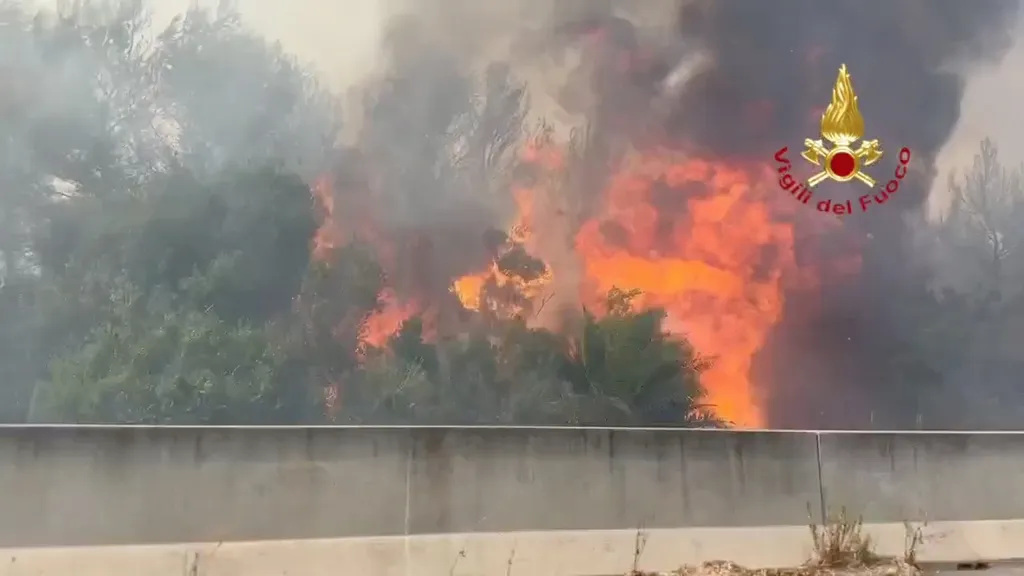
(840, 548)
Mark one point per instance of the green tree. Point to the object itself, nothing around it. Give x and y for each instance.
(156, 360)
(626, 369)
(325, 335)
(622, 369)
(238, 99)
(174, 299)
(131, 161)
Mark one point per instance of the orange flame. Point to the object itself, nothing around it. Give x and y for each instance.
(470, 289)
(701, 239)
(717, 268)
(326, 237)
(378, 326)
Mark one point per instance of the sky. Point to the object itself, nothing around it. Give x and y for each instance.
(339, 39)
(990, 108)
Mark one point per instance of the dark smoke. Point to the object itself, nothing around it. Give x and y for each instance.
(779, 59)
(422, 183)
(769, 67)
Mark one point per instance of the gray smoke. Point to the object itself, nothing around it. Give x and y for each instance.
(737, 80)
(837, 366)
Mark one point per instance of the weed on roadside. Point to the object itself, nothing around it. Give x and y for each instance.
(840, 548)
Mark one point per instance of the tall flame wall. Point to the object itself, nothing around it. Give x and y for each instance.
(396, 500)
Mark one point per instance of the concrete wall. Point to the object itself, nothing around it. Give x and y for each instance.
(579, 493)
(935, 476)
(94, 485)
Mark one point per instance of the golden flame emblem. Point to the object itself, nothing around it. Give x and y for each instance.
(842, 125)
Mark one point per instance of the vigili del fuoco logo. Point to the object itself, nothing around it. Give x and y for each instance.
(842, 126)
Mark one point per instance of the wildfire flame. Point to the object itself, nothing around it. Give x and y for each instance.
(709, 242)
(471, 288)
(699, 238)
(378, 326)
(716, 265)
(326, 237)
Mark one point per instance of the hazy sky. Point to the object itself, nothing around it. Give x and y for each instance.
(991, 109)
(339, 38)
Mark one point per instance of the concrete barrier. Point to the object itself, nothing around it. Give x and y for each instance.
(75, 486)
(505, 479)
(933, 476)
(435, 500)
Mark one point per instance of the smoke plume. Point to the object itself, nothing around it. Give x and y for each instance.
(728, 79)
(780, 60)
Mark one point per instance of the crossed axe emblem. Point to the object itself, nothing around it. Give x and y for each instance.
(841, 163)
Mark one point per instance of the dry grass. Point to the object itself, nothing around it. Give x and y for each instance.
(841, 543)
(840, 549)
